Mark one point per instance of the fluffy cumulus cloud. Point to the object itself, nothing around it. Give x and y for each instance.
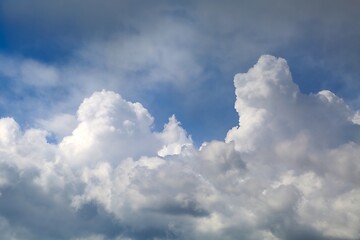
(290, 170)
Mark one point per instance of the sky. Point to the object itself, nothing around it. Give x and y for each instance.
(186, 119)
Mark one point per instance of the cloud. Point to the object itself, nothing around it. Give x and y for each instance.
(149, 57)
(179, 50)
(29, 72)
(289, 170)
(60, 125)
(134, 64)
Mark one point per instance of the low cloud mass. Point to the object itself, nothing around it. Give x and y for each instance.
(289, 170)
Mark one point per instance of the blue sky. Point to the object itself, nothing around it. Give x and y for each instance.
(88, 90)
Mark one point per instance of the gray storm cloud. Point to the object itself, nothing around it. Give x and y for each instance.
(290, 170)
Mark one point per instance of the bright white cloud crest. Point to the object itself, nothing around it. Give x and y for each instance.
(291, 168)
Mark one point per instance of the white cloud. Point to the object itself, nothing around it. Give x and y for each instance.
(175, 137)
(132, 64)
(61, 125)
(37, 74)
(109, 124)
(29, 71)
(289, 171)
(150, 57)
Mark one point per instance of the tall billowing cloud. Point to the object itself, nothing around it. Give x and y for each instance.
(290, 170)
